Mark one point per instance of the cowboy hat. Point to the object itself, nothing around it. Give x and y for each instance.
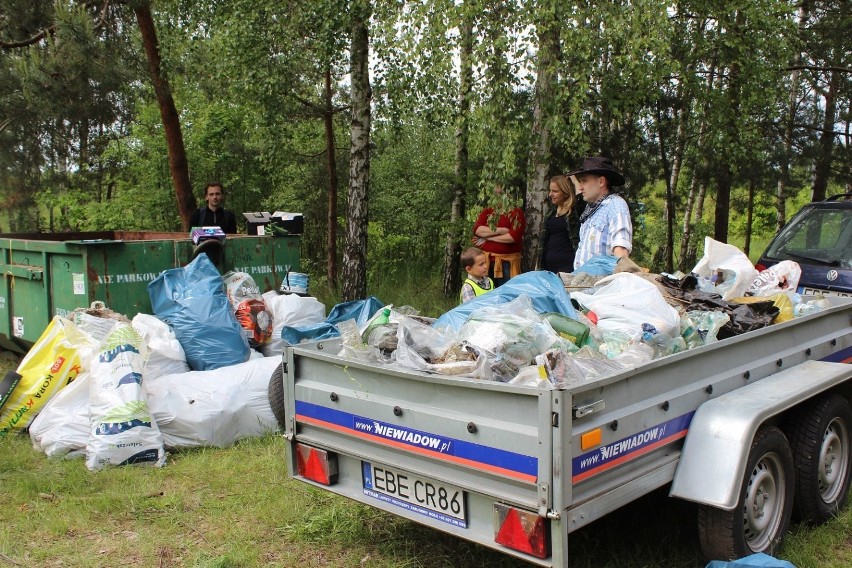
(601, 166)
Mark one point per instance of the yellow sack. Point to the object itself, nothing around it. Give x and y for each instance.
(50, 364)
(781, 301)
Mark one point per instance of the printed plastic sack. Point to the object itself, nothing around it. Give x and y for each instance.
(165, 354)
(724, 269)
(62, 428)
(192, 300)
(289, 310)
(48, 366)
(781, 277)
(249, 307)
(624, 301)
(214, 408)
(122, 429)
(544, 288)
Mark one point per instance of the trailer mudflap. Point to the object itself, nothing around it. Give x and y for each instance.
(715, 452)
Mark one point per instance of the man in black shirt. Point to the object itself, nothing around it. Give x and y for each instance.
(214, 214)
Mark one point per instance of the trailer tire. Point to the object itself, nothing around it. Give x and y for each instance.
(822, 452)
(277, 398)
(761, 517)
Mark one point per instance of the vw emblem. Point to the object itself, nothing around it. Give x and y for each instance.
(831, 275)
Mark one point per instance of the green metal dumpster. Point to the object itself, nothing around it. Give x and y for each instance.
(53, 274)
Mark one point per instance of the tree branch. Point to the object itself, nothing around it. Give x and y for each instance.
(818, 68)
(50, 30)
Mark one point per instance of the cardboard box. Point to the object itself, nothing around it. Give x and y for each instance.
(198, 234)
(257, 222)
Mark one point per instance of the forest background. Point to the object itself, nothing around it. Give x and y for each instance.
(387, 123)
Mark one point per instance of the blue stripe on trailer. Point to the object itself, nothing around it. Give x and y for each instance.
(442, 447)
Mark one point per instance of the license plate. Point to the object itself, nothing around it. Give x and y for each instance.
(814, 292)
(422, 495)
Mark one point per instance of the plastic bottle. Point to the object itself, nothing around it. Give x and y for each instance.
(661, 343)
(383, 318)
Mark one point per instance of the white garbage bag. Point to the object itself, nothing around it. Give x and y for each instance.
(289, 310)
(214, 408)
(724, 269)
(165, 354)
(624, 301)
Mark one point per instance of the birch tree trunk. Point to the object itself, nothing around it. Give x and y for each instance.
(822, 165)
(331, 166)
(355, 248)
(537, 184)
(452, 251)
(787, 143)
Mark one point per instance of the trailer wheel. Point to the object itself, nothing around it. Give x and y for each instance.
(277, 399)
(760, 519)
(819, 437)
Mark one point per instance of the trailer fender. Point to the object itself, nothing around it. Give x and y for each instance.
(713, 460)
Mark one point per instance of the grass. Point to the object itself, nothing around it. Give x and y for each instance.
(235, 507)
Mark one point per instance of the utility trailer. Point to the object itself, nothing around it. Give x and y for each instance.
(754, 429)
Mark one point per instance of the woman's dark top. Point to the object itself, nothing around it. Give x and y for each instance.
(561, 237)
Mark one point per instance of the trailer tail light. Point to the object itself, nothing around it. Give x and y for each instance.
(316, 464)
(521, 530)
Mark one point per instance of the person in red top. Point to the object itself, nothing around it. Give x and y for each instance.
(504, 243)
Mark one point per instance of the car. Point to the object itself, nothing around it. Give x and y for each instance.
(819, 239)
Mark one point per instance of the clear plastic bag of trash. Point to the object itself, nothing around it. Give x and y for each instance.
(708, 324)
(420, 346)
(566, 369)
(353, 347)
(514, 333)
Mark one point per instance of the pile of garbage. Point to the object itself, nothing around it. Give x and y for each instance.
(197, 372)
(118, 391)
(550, 331)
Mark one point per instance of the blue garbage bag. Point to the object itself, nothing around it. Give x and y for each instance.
(313, 332)
(758, 560)
(192, 300)
(359, 310)
(544, 288)
(601, 265)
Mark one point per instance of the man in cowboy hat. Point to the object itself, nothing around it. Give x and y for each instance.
(605, 223)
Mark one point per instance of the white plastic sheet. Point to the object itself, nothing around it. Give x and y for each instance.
(624, 301)
(197, 408)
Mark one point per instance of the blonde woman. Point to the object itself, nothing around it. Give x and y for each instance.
(562, 227)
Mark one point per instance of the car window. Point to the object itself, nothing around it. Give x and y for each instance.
(820, 234)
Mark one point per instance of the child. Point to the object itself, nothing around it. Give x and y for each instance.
(475, 263)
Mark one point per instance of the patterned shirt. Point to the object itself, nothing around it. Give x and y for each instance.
(608, 227)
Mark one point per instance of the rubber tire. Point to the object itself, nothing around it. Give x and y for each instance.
(213, 248)
(820, 439)
(723, 534)
(277, 398)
